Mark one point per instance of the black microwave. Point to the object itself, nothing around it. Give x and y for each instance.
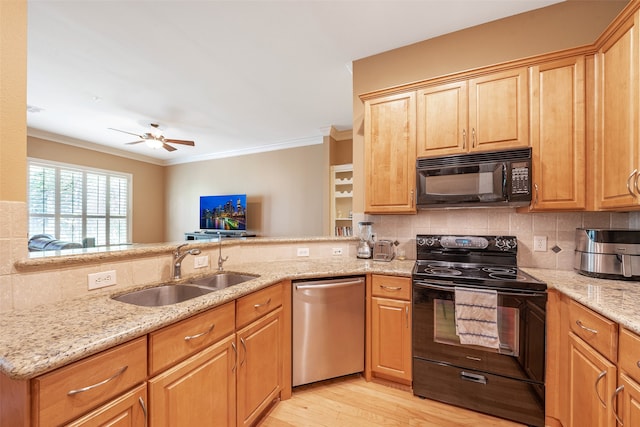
(489, 179)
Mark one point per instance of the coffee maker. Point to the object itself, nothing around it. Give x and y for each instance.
(365, 246)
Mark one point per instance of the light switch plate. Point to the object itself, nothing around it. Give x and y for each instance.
(201, 261)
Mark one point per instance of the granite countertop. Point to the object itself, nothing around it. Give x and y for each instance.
(39, 340)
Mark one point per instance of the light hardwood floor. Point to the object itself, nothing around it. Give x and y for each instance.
(353, 402)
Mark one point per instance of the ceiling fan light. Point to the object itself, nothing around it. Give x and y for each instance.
(153, 143)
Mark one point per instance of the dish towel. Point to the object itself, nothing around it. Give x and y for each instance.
(477, 317)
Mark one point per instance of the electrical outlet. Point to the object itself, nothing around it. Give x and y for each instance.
(336, 251)
(201, 261)
(539, 243)
(101, 280)
(303, 251)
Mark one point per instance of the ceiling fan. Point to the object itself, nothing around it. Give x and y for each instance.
(155, 139)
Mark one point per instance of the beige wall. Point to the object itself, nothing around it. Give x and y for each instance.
(284, 191)
(148, 207)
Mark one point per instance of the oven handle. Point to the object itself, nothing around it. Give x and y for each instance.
(448, 286)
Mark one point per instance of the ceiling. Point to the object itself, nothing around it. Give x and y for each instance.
(237, 77)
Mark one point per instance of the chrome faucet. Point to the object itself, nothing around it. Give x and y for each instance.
(220, 259)
(178, 257)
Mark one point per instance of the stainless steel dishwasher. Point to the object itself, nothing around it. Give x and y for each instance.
(328, 328)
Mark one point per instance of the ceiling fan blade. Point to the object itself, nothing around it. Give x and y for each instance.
(124, 131)
(134, 142)
(168, 147)
(181, 141)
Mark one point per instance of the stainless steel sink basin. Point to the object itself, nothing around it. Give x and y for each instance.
(163, 295)
(222, 280)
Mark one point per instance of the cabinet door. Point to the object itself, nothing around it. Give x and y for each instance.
(200, 391)
(628, 407)
(592, 380)
(617, 145)
(442, 119)
(391, 339)
(558, 134)
(129, 410)
(390, 154)
(498, 111)
(259, 375)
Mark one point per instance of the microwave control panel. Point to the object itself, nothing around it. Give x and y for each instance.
(520, 178)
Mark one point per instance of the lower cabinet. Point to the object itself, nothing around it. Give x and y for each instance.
(391, 328)
(259, 369)
(129, 409)
(200, 391)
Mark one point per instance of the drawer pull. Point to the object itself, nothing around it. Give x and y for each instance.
(192, 337)
(263, 304)
(391, 288)
(600, 377)
(103, 382)
(579, 323)
(613, 404)
(474, 378)
(144, 409)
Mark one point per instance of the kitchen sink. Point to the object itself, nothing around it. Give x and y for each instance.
(163, 295)
(222, 280)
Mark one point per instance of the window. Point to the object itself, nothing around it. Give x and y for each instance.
(72, 203)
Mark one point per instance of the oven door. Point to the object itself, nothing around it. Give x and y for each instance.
(521, 326)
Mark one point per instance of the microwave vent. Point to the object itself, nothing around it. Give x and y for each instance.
(475, 158)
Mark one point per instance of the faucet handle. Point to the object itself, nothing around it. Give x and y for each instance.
(177, 251)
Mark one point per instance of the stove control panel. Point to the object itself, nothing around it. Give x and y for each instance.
(489, 243)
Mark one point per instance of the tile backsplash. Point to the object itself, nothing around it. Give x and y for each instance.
(558, 228)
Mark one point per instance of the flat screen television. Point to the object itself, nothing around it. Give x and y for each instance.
(223, 213)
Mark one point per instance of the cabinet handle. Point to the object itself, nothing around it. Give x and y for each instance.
(464, 139)
(412, 197)
(473, 137)
(579, 323)
(263, 304)
(244, 346)
(636, 184)
(635, 171)
(103, 382)
(144, 409)
(600, 377)
(235, 356)
(406, 314)
(535, 201)
(390, 288)
(192, 337)
(614, 407)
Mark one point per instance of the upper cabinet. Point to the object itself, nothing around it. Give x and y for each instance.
(617, 154)
(558, 134)
(390, 154)
(488, 112)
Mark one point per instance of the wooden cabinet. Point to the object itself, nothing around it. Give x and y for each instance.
(259, 372)
(558, 134)
(73, 390)
(198, 391)
(627, 409)
(390, 154)
(391, 328)
(617, 154)
(130, 409)
(488, 112)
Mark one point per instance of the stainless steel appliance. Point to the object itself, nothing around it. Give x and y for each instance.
(328, 328)
(608, 253)
(383, 250)
(497, 178)
(504, 380)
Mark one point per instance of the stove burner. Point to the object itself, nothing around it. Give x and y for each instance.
(508, 276)
(442, 271)
(500, 270)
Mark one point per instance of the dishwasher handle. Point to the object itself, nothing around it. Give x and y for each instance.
(328, 284)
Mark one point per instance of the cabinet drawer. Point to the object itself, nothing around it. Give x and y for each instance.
(629, 357)
(391, 287)
(176, 342)
(600, 332)
(69, 392)
(257, 304)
